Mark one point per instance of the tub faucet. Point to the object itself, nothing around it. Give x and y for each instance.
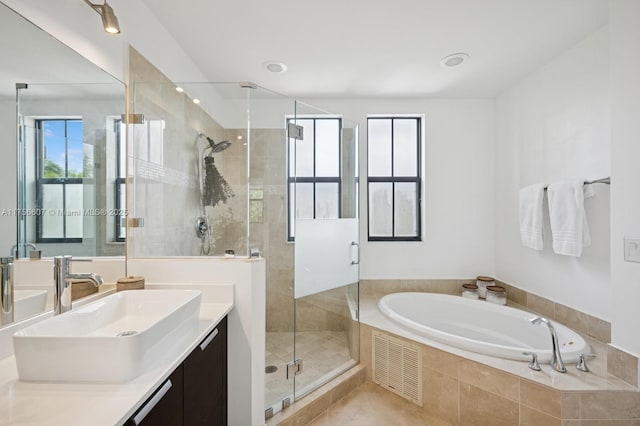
(63, 279)
(556, 359)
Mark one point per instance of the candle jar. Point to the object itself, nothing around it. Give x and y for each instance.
(470, 291)
(482, 282)
(496, 294)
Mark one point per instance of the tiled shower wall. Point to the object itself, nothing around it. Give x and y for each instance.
(164, 187)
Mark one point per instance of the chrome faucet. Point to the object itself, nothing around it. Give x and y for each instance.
(6, 290)
(556, 359)
(63, 279)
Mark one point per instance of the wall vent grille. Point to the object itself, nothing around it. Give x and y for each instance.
(397, 366)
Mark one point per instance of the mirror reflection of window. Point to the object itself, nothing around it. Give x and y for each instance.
(61, 171)
(65, 178)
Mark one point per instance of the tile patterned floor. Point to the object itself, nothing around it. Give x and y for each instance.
(321, 351)
(371, 405)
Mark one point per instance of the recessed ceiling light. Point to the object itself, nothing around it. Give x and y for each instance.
(179, 89)
(454, 60)
(275, 66)
(196, 101)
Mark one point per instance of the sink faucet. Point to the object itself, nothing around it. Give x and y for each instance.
(556, 359)
(6, 290)
(63, 279)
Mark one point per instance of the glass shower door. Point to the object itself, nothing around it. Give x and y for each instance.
(323, 204)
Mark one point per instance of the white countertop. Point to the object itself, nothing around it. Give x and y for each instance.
(25, 403)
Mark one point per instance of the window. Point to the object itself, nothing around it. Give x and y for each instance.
(314, 179)
(394, 178)
(62, 167)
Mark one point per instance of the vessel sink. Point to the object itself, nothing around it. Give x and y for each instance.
(107, 340)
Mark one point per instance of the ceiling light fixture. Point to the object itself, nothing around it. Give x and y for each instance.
(454, 60)
(179, 89)
(196, 101)
(275, 66)
(109, 20)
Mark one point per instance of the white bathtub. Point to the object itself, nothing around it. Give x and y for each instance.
(479, 326)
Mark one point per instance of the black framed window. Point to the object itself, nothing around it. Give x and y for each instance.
(313, 172)
(62, 168)
(393, 180)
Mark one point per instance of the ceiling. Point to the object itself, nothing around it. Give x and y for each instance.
(50, 68)
(371, 48)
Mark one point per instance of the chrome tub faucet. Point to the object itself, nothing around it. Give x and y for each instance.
(63, 279)
(556, 358)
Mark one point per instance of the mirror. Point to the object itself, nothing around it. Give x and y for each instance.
(62, 158)
(64, 194)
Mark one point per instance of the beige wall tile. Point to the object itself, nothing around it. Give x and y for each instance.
(445, 286)
(313, 409)
(571, 318)
(347, 386)
(541, 398)
(479, 407)
(489, 379)
(610, 405)
(599, 329)
(622, 365)
(365, 349)
(570, 405)
(441, 361)
(531, 417)
(606, 423)
(570, 422)
(440, 396)
(540, 305)
(515, 294)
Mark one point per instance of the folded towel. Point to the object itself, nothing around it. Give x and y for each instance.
(530, 200)
(569, 228)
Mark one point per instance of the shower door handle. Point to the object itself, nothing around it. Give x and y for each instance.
(356, 262)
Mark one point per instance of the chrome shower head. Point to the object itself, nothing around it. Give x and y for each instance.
(217, 147)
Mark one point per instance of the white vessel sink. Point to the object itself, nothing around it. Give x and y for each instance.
(103, 341)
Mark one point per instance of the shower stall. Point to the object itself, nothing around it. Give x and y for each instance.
(248, 172)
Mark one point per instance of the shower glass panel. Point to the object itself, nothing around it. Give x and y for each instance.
(324, 211)
(68, 136)
(199, 195)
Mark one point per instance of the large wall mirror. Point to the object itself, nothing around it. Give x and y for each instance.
(63, 148)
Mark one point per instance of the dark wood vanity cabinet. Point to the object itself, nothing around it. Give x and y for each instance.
(195, 394)
(205, 382)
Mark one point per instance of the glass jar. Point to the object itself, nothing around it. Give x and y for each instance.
(482, 282)
(470, 291)
(496, 294)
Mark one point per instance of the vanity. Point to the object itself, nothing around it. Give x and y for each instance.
(183, 380)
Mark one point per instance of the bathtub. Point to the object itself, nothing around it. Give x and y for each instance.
(479, 326)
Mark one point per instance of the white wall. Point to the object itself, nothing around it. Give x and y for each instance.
(554, 125)
(458, 195)
(625, 157)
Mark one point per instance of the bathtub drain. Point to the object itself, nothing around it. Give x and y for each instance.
(126, 333)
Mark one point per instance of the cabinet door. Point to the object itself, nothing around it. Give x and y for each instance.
(164, 407)
(205, 380)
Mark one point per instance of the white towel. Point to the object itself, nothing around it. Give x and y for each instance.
(530, 200)
(569, 228)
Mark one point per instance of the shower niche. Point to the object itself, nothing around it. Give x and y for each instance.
(220, 168)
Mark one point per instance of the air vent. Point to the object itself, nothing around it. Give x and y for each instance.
(397, 366)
